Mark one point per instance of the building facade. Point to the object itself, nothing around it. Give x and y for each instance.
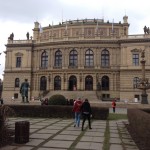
(77, 55)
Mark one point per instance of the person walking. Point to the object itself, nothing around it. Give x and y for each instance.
(114, 105)
(77, 111)
(86, 113)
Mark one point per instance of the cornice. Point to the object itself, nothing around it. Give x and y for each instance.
(49, 43)
(19, 45)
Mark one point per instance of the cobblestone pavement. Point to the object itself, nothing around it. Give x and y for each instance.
(60, 134)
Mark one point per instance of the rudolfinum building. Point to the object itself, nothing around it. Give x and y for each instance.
(89, 58)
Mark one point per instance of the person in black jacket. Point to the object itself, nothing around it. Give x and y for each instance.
(86, 113)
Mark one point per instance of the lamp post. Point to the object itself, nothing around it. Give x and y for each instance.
(143, 82)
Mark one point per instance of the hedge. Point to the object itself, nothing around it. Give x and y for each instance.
(139, 121)
(55, 111)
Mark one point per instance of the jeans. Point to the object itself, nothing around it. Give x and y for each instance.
(77, 118)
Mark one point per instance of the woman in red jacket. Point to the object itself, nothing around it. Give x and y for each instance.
(77, 110)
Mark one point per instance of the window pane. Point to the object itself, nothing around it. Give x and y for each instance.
(73, 58)
(58, 59)
(105, 58)
(89, 58)
(18, 62)
(44, 60)
(135, 59)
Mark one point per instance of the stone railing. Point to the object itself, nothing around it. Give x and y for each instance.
(19, 41)
(67, 38)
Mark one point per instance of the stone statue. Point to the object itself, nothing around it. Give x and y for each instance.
(146, 30)
(24, 90)
(143, 54)
(11, 37)
(27, 35)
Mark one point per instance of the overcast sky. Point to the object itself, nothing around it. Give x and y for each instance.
(18, 16)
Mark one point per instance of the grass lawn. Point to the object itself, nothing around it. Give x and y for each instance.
(113, 116)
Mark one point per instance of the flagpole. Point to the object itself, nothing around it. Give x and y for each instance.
(52, 28)
(113, 26)
(66, 28)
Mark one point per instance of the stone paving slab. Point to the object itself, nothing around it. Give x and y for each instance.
(40, 136)
(131, 147)
(52, 127)
(36, 127)
(50, 149)
(92, 139)
(68, 132)
(65, 137)
(45, 131)
(25, 148)
(96, 134)
(60, 134)
(34, 142)
(114, 135)
(116, 147)
(115, 140)
(89, 146)
(58, 143)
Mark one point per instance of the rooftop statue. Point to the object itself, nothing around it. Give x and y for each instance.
(146, 30)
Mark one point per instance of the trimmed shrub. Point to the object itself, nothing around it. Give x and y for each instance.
(55, 111)
(139, 122)
(5, 133)
(57, 100)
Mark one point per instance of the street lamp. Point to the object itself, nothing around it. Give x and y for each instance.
(143, 82)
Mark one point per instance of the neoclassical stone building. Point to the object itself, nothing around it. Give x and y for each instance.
(87, 56)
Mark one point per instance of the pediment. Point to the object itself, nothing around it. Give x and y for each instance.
(18, 54)
(136, 50)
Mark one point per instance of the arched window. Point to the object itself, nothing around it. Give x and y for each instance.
(44, 60)
(89, 83)
(135, 82)
(58, 59)
(57, 83)
(105, 58)
(17, 82)
(105, 83)
(43, 83)
(89, 58)
(73, 56)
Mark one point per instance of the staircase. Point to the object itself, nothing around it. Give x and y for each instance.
(90, 95)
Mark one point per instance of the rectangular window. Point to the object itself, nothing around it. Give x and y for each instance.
(137, 97)
(18, 62)
(15, 95)
(135, 59)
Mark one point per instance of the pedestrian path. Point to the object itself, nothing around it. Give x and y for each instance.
(60, 134)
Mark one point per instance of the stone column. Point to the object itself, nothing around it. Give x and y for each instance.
(52, 58)
(82, 58)
(94, 82)
(52, 82)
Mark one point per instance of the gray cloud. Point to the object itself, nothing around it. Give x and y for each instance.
(28, 10)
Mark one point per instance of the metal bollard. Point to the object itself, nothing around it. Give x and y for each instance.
(22, 132)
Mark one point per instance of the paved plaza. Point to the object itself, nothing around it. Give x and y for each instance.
(60, 134)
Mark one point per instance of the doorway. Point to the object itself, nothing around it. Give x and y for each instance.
(72, 83)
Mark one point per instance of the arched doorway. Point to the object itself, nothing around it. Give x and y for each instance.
(72, 83)
(89, 83)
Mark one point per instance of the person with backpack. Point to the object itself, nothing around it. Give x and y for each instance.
(86, 113)
(114, 105)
